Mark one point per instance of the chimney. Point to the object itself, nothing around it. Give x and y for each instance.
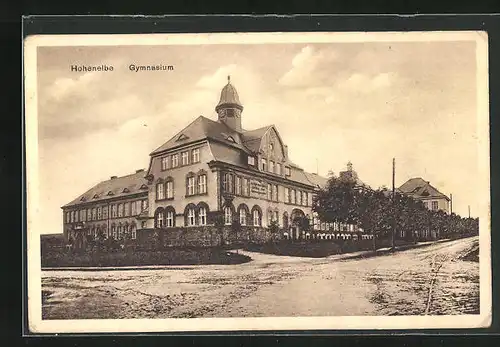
(113, 177)
(139, 170)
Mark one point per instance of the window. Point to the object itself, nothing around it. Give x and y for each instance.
(227, 215)
(72, 219)
(287, 194)
(275, 192)
(114, 211)
(271, 147)
(165, 163)
(83, 214)
(94, 214)
(306, 199)
(175, 160)
(264, 164)
(133, 232)
(143, 224)
(170, 219)
(256, 218)
(120, 232)
(191, 217)
(243, 216)
(271, 166)
(251, 160)
(159, 219)
(120, 210)
(292, 195)
(138, 208)
(202, 215)
(195, 155)
(269, 192)
(269, 217)
(298, 197)
(127, 209)
(434, 205)
(278, 168)
(228, 183)
(144, 204)
(275, 216)
(190, 185)
(113, 232)
(99, 213)
(105, 212)
(287, 171)
(245, 188)
(170, 189)
(185, 158)
(133, 209)
(68, 217)
(89, 214)
(202, 184)
(237, 184)
(160, 191)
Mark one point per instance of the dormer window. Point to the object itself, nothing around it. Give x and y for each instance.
(271, 147)
(125, 190)
(231, 139)
(251, 160)
(110, 193)
(264, 164)
(83, 199)
(96, 196)
(144, 186)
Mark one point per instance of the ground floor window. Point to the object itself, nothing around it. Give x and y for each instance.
(133, 232)
(170, 219)
(227, 216)
(243, 217)
(191, 217)
(202, 215)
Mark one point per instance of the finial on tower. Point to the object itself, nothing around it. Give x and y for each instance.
(349, 166)
(228, 79)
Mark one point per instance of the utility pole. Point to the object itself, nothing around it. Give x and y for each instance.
(393, 203)
(469, 210)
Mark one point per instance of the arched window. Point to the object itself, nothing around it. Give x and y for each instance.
(133, 231)
(113, 232)
(228, 215)
(120, 231)
(191, 217)
(285, 220)
(243, 214)
(270, 215)
(257, 216)
(159, 218)
(202, 216)
(169, 217)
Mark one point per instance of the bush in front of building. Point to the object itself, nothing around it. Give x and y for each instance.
(173, 256)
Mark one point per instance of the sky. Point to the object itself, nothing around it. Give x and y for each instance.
(331, 103)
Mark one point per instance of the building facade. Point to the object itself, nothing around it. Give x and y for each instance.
(211, 173)
(422, 190)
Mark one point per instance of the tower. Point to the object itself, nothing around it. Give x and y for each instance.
(229, 107)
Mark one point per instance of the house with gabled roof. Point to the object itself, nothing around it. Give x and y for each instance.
(422, 190)
(212, 170)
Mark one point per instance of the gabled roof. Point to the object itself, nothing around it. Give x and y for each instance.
(116, 187)
(200, 129)
(418, 187)
(317, 180)
(253, 138)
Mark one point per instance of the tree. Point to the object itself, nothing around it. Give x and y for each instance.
(336, 203)
(274, 229)
(218, 218)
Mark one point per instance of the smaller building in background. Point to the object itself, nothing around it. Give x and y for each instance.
(422, 190)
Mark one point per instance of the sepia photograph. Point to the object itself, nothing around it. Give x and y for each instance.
(257, 181)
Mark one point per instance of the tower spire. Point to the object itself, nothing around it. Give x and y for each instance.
(228, 79)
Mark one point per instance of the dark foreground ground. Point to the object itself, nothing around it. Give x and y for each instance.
(438, 279)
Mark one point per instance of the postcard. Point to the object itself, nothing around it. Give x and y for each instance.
(257, 181)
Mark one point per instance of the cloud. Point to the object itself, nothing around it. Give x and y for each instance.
(305, 67)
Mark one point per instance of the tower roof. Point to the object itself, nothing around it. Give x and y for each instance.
(229, 96)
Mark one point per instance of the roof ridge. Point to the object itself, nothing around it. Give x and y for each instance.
(179, 132)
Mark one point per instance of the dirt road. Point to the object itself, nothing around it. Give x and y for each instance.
(428, 280)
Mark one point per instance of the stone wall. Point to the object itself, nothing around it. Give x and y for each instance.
(203, 236)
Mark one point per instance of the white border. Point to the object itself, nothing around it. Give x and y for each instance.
(37, 325)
